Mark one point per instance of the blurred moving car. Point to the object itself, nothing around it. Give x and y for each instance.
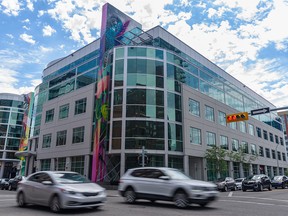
(156, 183)
(279, 181)
(238, 182)
(257, 183)
(60, 190)
(226, 183)
(4, 184)
(13, 183)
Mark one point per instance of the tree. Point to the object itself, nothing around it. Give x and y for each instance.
(216, 155)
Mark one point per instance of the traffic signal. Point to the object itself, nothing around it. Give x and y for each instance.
(237, 117)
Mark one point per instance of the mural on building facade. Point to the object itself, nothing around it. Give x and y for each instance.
(28, 105)
(114, 25)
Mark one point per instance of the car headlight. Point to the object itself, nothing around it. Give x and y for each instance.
(197, 188)
(68, 191)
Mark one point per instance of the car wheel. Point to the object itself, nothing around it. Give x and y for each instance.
(130, 195)
(270, 187)
(283, 185)
(203, 204)
(55, 204)
(21, 200)
(243, 189)
(10, 188)
(180, 199)
(225, 189)
(234, 188)
(260, 187)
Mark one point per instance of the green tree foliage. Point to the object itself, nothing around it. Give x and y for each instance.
(216, 155)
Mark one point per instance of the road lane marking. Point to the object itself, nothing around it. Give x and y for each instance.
(230, 194)
(257, 203)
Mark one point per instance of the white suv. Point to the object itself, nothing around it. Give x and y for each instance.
(155, 183)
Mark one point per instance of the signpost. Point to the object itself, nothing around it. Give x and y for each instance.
(260, 111)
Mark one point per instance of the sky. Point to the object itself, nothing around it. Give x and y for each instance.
(246, 38)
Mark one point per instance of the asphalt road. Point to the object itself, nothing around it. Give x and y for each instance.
(238, 203)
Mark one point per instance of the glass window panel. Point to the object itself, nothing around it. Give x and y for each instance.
(77, 164)
(148, 111)
(117, 129)
(12, 144)
(242, 126)
(15, 131)
(222, 118)
(145, 96)
(86, 79)
(87, 66)
(224, 142)
(144, 129)
(61, 138)
(46, 141)
(119, 53)
(49, 115)
(194, 107)
(80, 106)
(4, 117)
(149, 143)
(210, 139)
(16, 118)
(209, 113)
(253, 149)
(195, 136)
(64, 111)
(245, 147)
(251, 129)
(235, 145)
(118, 96)
(78, 134)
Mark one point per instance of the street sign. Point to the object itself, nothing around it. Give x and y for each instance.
(260, 111)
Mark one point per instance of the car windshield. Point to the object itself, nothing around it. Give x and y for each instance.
(220, 179)
(277, 178)
(70, 178)
(254, 177)
(177, 175)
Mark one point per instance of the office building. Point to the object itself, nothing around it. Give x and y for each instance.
(132, 92)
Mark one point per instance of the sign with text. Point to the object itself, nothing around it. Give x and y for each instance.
(260, 111)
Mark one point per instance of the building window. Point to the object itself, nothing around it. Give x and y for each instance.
(45, 164)
(251, 129)
(61, 138)
(279, 155)
(233, 125)
(222, 118)
(49, 115)
(78, 134)
(281, 141)
(80, 106)
(210, 139)
(64, 111)
(271, 137)
(253, 149)
(245, 147)
(242, 126)
(195, 136)
(267, 150)
(273, 154)
(194, 107)
(276, 139)
(283, 157)
(46, 141)
(259, 134)
(235, 145)
(265, 134)
(77, 164)
(209, 113)
(224, 142)
(261, 151)
(60, 164)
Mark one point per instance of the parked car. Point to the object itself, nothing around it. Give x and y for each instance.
(226, 183)
(238, 182)
(60, 190)
(167, 184)
(279, 181)
(4, 183)
(257, 183)
(13, 183)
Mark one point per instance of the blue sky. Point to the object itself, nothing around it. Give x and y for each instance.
(246, 38)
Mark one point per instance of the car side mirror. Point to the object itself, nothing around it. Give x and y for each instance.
(164, 177)
(47, 183)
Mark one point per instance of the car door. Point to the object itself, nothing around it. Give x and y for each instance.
(43, 192)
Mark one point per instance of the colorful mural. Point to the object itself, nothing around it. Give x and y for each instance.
(114, 25)
(28, 105)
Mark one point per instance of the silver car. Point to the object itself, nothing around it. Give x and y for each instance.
(154, 183)
(60, 190)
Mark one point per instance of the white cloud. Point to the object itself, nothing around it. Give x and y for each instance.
(41, 13)
(48, 30)
(25, 27)
(11, 7)
(10, 36)
(27, 38)
(30, 5)
(26, 21)
(45, 49)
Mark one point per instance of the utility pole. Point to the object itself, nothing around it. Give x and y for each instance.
(143, 155)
